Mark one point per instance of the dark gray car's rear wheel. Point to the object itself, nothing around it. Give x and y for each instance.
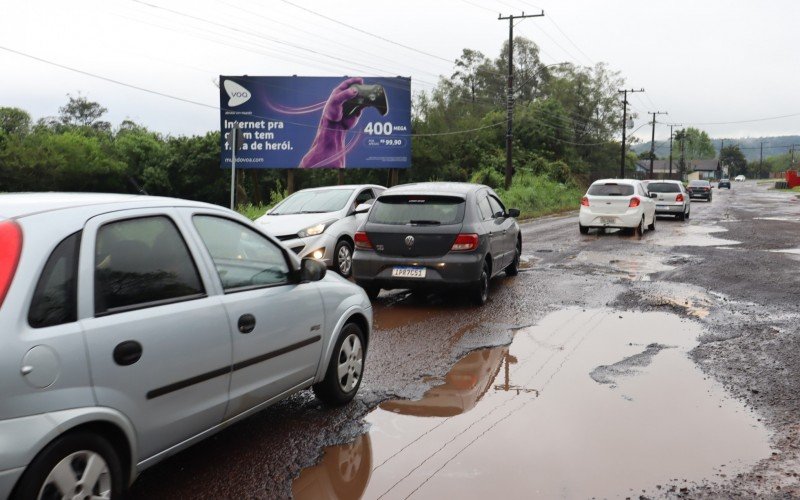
(513, 268)
(76, 465)
(480, 290)
(372, 291)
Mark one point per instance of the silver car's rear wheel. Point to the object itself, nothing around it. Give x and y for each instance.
(83, 474)
(78, 465)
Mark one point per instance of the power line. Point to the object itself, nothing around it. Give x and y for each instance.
(379, 37)
(209, 106)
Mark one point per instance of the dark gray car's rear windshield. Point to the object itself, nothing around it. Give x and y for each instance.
(610, 189)
(663, 187)
(699, 183)
(421, 210)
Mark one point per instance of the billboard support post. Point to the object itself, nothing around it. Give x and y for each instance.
(341, 177)
(289, 181)
(233, 166)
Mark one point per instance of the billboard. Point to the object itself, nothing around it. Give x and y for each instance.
(316, 122)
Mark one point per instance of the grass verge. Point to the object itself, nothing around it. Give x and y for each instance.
(538, 195)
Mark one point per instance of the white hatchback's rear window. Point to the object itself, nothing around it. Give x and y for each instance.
(610, 189)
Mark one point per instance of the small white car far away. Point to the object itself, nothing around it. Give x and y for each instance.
(740, 178)
(321, 223)
(617, 203)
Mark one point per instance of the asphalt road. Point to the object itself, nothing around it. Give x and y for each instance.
(612, 366)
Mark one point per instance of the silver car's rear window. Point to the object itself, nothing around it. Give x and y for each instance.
(663, 187)
(610, 189)
(422, 210)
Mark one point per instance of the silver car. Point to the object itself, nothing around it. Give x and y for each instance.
(321, 222)
(672, 198)
(133, 327)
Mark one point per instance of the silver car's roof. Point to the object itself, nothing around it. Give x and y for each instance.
(444, 188)
(14, 205)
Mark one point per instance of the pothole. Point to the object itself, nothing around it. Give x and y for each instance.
(528, 420)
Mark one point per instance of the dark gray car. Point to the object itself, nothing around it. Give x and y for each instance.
(436, 235)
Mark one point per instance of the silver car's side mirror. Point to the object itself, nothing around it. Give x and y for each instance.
(363, 208)
(312, 270)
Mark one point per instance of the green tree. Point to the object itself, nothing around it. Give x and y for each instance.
(733, 157)
(14, 121)
(81, 112)
(696, 143)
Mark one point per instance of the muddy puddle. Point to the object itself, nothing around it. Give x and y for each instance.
(586, 403)
(690, 235)
(634, 266)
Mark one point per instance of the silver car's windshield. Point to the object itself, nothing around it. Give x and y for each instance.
(313, 202)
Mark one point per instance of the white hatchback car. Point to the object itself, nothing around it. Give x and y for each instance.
(740, 178)
(617, 203)
(132, 327)
(321, 222)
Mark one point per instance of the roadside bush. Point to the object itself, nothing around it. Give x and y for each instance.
(489, 177)
(536, 195)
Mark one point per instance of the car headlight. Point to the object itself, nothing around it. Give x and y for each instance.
(315, 229)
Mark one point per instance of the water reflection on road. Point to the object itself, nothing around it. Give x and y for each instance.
(527, 420)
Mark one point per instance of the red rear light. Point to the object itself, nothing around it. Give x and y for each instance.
(585, 201)
(362, 241)
(465, 243)
(634, 203)
(10, 249)
(679, 197)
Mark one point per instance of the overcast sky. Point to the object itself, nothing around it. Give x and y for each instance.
(702, 61)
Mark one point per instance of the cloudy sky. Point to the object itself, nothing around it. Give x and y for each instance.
(706, 62)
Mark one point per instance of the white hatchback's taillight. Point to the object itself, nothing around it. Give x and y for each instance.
(362, 241)
(634, 202)
(585, 201)
(10, 250)
(465, 243)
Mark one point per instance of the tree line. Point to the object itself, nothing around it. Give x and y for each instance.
(565, 120)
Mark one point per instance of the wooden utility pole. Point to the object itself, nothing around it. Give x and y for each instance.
(670, 146)
(510, 95)
(653, 138)
(624, 125)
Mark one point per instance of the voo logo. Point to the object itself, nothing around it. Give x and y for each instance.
(237, 94)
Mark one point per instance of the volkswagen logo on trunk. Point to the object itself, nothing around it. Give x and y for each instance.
(409, 241)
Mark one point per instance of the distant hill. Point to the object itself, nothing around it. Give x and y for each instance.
(773, 146)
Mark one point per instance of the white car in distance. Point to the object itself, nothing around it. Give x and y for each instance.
(617, 203)
(321, 222)
(740, 178)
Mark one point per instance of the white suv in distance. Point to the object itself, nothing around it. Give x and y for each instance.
(672, 198)
(133, 327)
(321, 222)
(617, 203)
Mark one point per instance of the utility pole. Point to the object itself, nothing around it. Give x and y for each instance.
(719, 160)
(791, 150)
(761, 159)
(510, 95)
(670, 146)
(624, 125)
(653, 138)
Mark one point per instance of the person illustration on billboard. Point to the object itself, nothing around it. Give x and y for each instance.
(328, 150)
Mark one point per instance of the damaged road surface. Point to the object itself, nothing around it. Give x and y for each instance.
(545, 424)
(612, 366)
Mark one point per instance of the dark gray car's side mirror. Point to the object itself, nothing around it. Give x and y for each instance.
(513, 212)
(312, 270)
